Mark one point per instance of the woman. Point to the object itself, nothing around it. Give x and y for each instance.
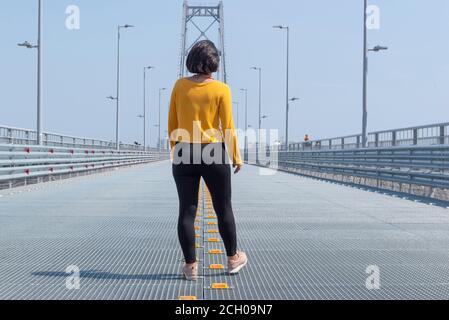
(200, 124)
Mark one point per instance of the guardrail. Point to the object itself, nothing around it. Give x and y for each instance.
(11, 135)
(421, 171)
(28, 164)
(434, 134)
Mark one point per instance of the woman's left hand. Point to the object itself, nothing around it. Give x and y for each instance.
(237, 167)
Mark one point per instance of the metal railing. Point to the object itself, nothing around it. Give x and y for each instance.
(428, 135)
(28, 164)
(418, 170)
(11, 135)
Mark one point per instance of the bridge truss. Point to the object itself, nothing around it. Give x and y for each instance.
(202, 18)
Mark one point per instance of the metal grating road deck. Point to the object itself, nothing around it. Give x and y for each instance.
(305, 239)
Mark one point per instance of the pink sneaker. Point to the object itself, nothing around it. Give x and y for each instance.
(237, 262)
(190, 271)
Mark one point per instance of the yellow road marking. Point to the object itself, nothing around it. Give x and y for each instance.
(215, 251)
(219, 286)
(187, 298)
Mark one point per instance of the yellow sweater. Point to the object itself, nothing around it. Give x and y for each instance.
(202, 113)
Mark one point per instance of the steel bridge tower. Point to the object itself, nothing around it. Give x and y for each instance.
(212, 16)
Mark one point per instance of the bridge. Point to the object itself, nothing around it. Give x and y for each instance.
(306, 237)
(364, 216)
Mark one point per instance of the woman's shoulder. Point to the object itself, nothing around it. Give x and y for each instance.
(179, 83)
(222, 85)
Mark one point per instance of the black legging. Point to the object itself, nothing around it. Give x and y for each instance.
(217, 177)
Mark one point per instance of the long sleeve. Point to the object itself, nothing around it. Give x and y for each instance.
(227, 125)
(172, 118)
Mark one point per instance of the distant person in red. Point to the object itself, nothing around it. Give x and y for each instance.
(307, 142)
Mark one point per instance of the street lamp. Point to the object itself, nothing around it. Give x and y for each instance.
(260, 110)
(365, 74)
(38, 46)
(144, 105)
(378, 48)
(287, 96)
(117, 120)
(288, 110)
(245, 152)
(28, 45)
(159, 122)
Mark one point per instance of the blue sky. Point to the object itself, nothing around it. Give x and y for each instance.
(408, 85)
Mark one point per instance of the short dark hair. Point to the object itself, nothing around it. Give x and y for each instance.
(203, 58)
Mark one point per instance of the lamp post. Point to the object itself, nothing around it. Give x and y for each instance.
(167, 140)
(287, 96)
(144, 105)
(263, 147)
(141, 116)
(365, 75)
(117, 119)
(260, 111)
(237, 104)
(38, 46)
(159, 122)
(286, 131)
(157, 146)
(112, 99)
(245, 152)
